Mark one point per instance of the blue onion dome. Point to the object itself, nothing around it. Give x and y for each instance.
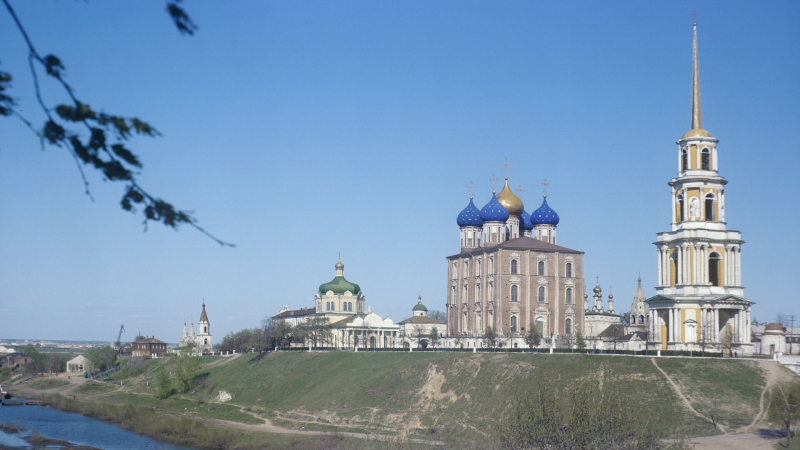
(470, 216)
(494, 211)
(512, 203)
(544, 215)
(526, 220)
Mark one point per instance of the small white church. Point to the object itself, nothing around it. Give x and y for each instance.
(202, 341)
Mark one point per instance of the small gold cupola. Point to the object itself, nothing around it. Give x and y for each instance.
(512, 203)
(697, 110)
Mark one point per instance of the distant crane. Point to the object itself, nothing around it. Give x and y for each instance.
(119, 338)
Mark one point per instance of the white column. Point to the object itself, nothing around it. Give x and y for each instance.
(673, 194)
(696, 256)
(679, 326)
(671, 329)
(679, 265)
(716, 325)
(738, 266)
(704, 264)
(721, 203)
(727, 267)
(660, 267)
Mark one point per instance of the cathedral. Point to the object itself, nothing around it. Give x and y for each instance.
(510, 275)
(699, 298)
(202, 341)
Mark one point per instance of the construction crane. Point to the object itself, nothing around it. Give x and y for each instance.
(119, 338)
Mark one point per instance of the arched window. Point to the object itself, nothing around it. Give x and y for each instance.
(710, 207)
(541, 294)
(641, 319)
(466, 269)
(513, 324)
(633, 319)
(465, 298)
(706, 159)
(541, 268)
(327, 306)
(491, 264)
(513, 266)
(568, 326)
(205, 341)
(333, 306)
(514, 290)
(569, 296)
(205, 329)
(684, 160)
(713, 268)
(569, 270)
(680, 208)
(477, 292)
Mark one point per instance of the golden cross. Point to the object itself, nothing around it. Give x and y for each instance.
(505, 166)
(340, 256)
(520, 191)
(544, 185)
(493, 179)
(598, 279)
(471, 188)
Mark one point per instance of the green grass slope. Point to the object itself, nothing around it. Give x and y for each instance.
(456, 394)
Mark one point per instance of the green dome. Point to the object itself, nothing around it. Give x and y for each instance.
(419, 307)
(339, 285)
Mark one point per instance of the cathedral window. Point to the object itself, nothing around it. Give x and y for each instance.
(514, 294)
(491, 264)
(568, 326)
(513, 266)
(706, 159)
(466, 269)
(350, 307)
(478, 293)
(540, 325)
(478, 267)
(569, 296)
(641, 319)
(465, 295)
(541, 294)
(633, 320)
(684, 160)
(541, 268)
(710, 207)
(513, 324)
(713, 269)
(569, 270)
(680, 208)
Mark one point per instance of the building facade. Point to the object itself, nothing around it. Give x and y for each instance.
(416, 330)
(202, 342)
(148, 347)
(505, 279)
(699, 296)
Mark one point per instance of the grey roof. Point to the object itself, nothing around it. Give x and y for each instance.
(525, 243)
(295, 313)
(716, 298)
(150, 340)
(421, 319)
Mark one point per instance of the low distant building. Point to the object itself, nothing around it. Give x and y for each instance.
(78, 364)
(415, 330)
(15, 361)
(596, 319)
(148, 346)
(202, 341)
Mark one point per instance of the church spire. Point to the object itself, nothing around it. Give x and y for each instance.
(697, 111)
(697, 108)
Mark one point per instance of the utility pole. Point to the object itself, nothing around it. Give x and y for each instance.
(791, 331)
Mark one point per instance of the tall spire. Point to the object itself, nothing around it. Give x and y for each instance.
(697, 108)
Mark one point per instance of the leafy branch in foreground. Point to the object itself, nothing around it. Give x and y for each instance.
(97, 139)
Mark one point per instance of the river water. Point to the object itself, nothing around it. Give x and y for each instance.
(75, 428)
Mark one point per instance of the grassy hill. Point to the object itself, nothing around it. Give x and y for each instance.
(445, 395)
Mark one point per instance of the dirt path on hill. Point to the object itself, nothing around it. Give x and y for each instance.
(683, 398)
(773, 374)
(761, 440)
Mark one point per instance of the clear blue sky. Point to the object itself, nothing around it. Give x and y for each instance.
(300, 129)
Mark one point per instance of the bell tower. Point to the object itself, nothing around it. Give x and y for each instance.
(699, 295)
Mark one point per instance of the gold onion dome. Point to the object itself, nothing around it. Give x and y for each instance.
(512, 203)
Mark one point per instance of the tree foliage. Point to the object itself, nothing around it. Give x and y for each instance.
(96, 139)
(534, 337)
(580, 341)
(438, 315)
(784, 407)
(489, 338)
(185, 369)
(101, 358)
(163, 384)
(433, 337)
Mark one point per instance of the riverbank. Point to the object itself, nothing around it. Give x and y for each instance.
(35, 439)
